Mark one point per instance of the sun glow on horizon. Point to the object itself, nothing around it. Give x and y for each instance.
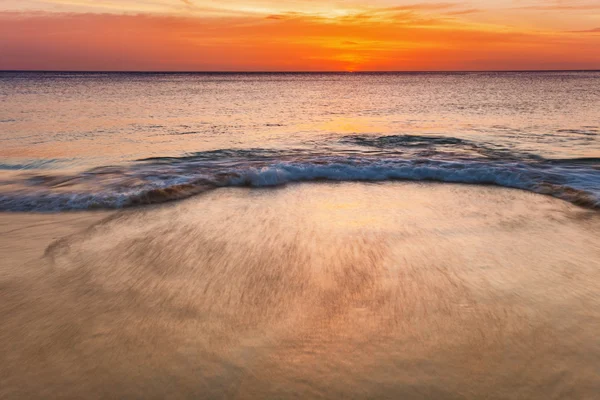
(298, 35)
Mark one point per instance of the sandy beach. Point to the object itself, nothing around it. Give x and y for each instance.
(395, 290)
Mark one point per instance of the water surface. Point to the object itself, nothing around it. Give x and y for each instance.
(312, 291)
(78, 141)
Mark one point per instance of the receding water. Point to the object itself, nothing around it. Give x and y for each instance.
(313, 291)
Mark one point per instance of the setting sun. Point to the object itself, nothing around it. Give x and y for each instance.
(268, 35)
(300, 199)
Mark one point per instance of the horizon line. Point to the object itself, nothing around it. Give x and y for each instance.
(287, 72)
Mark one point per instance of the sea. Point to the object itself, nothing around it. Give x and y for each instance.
(76, 141)
(327, 236)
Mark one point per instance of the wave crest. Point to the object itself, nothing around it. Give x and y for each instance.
(351, 158)
(156, 185)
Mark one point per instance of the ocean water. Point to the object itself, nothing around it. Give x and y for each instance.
(110, 140)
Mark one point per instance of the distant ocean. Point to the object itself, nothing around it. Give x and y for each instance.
(73, 141)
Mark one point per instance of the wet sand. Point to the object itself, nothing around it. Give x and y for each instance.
(395, 290)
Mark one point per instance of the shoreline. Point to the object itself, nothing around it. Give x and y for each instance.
(168, 195)
(314, 290)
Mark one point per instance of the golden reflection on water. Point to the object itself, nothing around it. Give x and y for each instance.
(397, 291)
(123, 117)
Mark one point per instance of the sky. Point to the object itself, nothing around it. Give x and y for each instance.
(299, 35)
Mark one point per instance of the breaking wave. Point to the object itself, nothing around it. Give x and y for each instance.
(352, 158)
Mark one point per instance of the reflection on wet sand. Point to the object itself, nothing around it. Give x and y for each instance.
(402, 291)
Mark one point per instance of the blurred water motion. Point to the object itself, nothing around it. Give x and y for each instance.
(73, 141)
(400, 291)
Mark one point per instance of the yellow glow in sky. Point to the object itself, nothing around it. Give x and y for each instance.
(299, 35)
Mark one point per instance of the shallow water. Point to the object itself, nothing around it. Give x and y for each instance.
(381, 290)
(80, 141)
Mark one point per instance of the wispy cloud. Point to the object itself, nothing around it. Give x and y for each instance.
(407, 41)
(594, 30)
(561, 7)
(465, 12)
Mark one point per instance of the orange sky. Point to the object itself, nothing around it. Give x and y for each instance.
(298, 35)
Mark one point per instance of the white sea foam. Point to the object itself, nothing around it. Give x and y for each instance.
(179, 179)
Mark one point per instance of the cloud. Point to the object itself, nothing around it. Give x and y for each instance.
(422, 6)
(561, 7)
(464, 12)
(288, 15)
(594, 30)
(405, 40)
